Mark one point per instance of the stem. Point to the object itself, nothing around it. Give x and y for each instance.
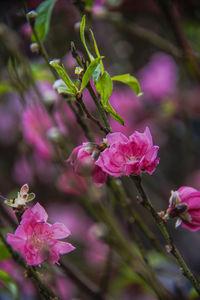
(44, 289)
(162, 226)
(105, 280)
(90, 89)
(81, 122)
(90, 117)
(121, 194)
(99, 107)
(83, 282)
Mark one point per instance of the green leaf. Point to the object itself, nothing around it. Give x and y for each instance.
(130, 81)
(89, 72)
(63, 74)
(104, 87)
(43, 18)
(82, 34)
(97, 51)
(4, 253)
(9, 283)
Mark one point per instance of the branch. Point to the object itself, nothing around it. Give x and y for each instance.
(163, 228)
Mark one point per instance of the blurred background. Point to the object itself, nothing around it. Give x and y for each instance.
(156, 41)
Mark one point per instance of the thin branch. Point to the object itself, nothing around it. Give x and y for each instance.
(90, 117)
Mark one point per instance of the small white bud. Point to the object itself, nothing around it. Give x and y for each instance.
(54, 134)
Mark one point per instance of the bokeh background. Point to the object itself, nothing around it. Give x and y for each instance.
(160, 47)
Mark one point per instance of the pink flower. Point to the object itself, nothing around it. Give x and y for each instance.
(126, 156)
(185, 204)
(36, 122)
(159, 77)
(81, 159)
(37, 240)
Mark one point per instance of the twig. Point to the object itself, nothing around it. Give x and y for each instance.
(90, 117)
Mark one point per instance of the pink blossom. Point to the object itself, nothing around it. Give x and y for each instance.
(185, 204)
(126, 156)
(37, 240)
(82, 162)
(159, 77)
(35, 124)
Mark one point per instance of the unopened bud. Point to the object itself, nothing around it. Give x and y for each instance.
(56, 60)
(32, 14)
(77, 26)
(99, 231)
(168, 248)
(34, 48)
(49, 97)
(79, 71)
(54, 134)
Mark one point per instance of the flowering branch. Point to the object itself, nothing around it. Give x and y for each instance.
(163, 228)
(44, 289)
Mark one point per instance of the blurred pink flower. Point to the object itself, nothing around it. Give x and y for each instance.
(185, 204)
(81, 159)
(159, 77)
(10, 114)
(73, 217)
(37, 240)
(126, 156)
(71, 183)
(35, 124)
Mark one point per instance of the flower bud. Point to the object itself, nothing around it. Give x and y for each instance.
(34, 48)
(54, 134)
(184, 204)
(32, 15)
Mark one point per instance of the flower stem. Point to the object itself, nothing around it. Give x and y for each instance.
(163, 228)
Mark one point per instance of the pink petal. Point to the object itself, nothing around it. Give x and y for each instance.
(59, 231)
(98, 176)
(37, 213)
(185, 191)
(16, 242)
(63, 247)
(116, 137)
